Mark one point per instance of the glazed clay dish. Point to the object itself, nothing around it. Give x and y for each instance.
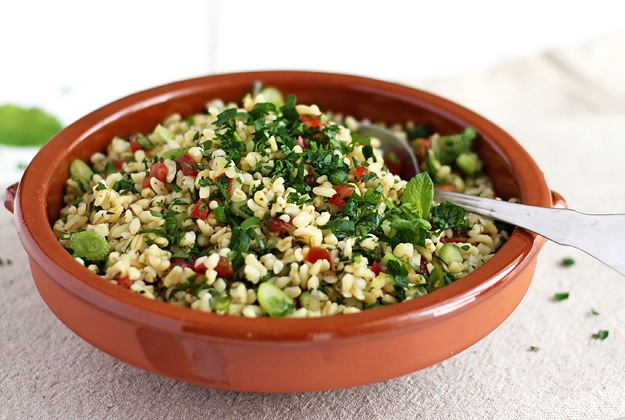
(268, 354)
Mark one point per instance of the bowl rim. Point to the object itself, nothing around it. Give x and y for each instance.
(45, 250)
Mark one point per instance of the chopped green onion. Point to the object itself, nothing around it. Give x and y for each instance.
(174, 154)
(163, 133)
(90, 246)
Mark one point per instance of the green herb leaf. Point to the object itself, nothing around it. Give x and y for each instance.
(601, 335)
(560, 296)
(448, 215)
(567, 262)
(26, 127)
(419, 192)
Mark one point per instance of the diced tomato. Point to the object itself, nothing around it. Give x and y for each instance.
(342, 192)
(423, 266)
(158, 171)
(302, 143)
(361, 172)
(311, 121)
(124, 282)
(378, 268)
(421, 147)
(315, 254)
(187, 164)
(311, 180)
(183, 262)
(222, 178)
(446, 187)
(276, 224)
(452, 240)
(393, 163)
(200, 210)
(119, 164)
(134, 144)
(224, 267)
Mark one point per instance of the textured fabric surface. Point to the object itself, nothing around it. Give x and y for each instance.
(567, 108)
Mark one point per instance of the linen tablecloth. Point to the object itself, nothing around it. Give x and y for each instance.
(567, 108)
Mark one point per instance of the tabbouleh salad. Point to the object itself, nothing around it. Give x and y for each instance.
(274, 208)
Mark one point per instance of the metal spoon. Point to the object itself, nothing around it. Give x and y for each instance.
(598, 235)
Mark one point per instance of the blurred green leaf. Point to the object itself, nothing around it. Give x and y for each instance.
(26, 126)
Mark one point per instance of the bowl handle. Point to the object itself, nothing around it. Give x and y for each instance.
(558, 201)
(9, 197)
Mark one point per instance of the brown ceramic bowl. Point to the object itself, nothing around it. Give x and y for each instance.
(277, 355)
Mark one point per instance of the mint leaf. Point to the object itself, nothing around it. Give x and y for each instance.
(26, 126)
(418, 196)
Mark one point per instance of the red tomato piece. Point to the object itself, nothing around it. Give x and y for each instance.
(159, 171)
(224, 267)
(223, 178)
(361, 172)
(446, 187)
(421, 146)
(311, 180)
(134, 144)
(378, 268)
(119, 164)
(446, 240)
(276, 224)
(302, 143)
(200, 210)
(124, 282)
(393, 163)
(187, 164)
(311, 121)
(315, 254)
(423, 266)
(342, 192)
(183, 262)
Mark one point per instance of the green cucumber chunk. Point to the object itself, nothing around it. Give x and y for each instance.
(79, 171)
(274, 301)
(469, 163)
(450, 253)
(273, 95)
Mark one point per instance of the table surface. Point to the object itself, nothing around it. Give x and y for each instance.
(567, 108)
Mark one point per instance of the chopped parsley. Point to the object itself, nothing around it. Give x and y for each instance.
(558, 297)
(601, 335)
(447, 215)
(7, 261)
(567, 262)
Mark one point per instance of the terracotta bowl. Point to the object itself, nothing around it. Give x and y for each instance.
(276, 355)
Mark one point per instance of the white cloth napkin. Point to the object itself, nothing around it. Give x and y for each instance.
(567, 107)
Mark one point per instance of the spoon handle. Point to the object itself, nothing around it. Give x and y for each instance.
(598, 235)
